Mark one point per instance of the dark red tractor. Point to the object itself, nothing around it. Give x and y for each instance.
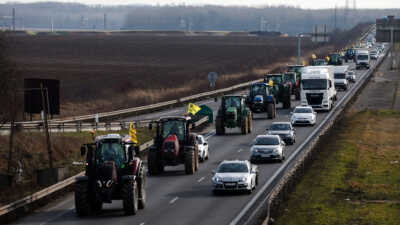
(174, 144)
(113, 172)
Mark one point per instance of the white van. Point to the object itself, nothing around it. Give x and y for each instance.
(340, 77)
(318, 87)
(362, 59)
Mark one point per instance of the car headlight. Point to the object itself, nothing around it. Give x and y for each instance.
(217, 179)
(276, 150)
(243, 179)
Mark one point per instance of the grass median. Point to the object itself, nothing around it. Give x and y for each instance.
(355, 178)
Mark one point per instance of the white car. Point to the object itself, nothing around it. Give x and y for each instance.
(351, 76)
(203, 148)
(303, 115)
(235, 175)
(267, 148)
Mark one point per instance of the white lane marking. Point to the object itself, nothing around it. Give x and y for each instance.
(173, 200)
(240, 150)
(58, 215)
(201, 179)
(141, 224)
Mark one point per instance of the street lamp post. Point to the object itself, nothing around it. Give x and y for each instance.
(299, 36)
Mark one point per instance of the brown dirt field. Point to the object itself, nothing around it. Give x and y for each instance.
(102, 72)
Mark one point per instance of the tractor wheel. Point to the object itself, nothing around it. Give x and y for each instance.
(96, 206)
(271, 111)
(219, 126)
(82, 199)
(287, 103)
(153, 163)
(130, 197)
(142, 189)
(297, 95)
(245, 126)
(250, 123)
(196, 160)
(190, 163)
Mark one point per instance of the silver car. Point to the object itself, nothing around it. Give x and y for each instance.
(284, 130)
(351, 76)
(303, 115)
(235, 175)
(267, 148)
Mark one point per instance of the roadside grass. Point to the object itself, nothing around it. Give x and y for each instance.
(30, 149)
(355, 179)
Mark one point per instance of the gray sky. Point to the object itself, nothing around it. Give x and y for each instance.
(302, 3)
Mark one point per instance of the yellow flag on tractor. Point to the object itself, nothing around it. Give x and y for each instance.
(193, 109)
(313, 56)
(271, 83)
(132, 133)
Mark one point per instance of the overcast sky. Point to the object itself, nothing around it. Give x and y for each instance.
(302, 3)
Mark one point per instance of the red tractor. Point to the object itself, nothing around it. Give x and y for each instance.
(113, 172)
(174, 144)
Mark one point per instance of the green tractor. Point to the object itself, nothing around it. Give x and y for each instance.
(261, 100)
(233, 113)
(282, 91)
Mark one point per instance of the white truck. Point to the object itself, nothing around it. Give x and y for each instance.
(318, 87)
(362, 59)
(340, 77)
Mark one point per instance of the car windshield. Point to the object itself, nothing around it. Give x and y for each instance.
(176, 127)
(199, 140)
(267, 141)
(233, 168)
(334, 57)
(258, 89)
(314, 84)
(303, 110)
(280, 126)
(362, 57)
(350, 73)
(110, 150)
(232, 102)
(340, 76)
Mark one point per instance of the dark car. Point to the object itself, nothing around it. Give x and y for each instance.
(285, 131)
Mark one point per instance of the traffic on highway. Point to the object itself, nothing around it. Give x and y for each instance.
(212, 177)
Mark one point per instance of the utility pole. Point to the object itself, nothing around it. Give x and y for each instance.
(335, 19)
(299, 36)
(105, 21)
(11, 140)
(46, 126)
(13, 19)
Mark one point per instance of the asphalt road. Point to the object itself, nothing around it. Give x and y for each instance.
(175, 198)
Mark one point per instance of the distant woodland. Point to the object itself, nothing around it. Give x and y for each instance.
(179, 17)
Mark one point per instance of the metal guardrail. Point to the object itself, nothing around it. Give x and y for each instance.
(135, 110)
(65, 183)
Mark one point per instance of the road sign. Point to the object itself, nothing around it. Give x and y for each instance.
(212, 78)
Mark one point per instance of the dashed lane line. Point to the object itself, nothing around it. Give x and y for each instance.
(201, 179)
(173, 200)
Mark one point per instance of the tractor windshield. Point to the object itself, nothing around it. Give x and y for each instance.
(258, 89)
(111, 150)
(289, 77)
(275, 79)
(176, 127)
(232, 102)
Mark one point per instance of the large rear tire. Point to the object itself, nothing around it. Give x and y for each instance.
(219, 126)
(153, 163)
(130, 197)
(245, 126)
(196, 159)
(142, 189)
(271, 111)
(189, 162)
(82, 199)
(250, 123)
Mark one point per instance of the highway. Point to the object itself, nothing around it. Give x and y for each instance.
(174, 198)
